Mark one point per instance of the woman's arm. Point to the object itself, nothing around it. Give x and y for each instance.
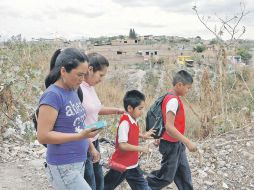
(93, 151)
(45, 134)
(110, 110)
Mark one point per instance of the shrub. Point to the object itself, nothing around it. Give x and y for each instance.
(199, 48)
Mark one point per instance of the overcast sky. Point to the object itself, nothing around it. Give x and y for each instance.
(92, 18)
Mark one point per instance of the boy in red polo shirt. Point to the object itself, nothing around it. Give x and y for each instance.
(127, 145)
(174, 164)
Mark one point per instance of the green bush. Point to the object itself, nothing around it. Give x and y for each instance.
(199, 48)
(245, 54)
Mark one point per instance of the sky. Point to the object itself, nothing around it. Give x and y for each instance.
(75, 19)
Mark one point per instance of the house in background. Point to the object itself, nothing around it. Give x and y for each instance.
(120, 52)
(119, 42)
(146, 37)
(149, 55)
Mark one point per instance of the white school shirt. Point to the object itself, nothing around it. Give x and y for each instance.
(123, 131)
(172, 105)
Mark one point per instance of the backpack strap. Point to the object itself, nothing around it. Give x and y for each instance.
(36, 114)
(35, 120)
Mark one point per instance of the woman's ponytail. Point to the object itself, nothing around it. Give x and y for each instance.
(54, 74)
(53, 59)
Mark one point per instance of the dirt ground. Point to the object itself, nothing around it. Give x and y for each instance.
(23, 175)
(223, 162)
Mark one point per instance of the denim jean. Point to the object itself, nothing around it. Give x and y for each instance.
(174, 167)
(67, 176)
(93, 171)
(134, 178)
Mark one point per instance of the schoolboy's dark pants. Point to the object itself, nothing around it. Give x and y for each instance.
(174, 167)
(134, 177)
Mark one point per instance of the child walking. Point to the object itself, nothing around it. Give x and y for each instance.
(174, 164)
(127, 145)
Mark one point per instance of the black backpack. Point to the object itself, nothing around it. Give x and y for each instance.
(154, 118)
(34, 119)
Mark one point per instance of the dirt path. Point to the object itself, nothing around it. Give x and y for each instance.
(23, 175)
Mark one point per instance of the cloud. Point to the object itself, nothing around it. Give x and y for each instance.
(148, 25)
(185, 6)
(166, 5)
(15, 12)
(169, 17)
(161, 3)
(227, 7)
(80, 12)
(10, 13)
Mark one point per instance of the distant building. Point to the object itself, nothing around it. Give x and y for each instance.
(149, 54)
(119, 42)
(146, 37)
(120, 52)
(101, 43)
(50, 39)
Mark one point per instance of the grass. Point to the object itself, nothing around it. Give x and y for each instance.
(28, 65)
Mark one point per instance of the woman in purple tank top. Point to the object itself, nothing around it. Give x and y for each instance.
(61, 121)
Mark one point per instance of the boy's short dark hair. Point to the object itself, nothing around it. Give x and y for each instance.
(183, 77)
(133, 98)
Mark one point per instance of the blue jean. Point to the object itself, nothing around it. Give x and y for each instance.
(174, 167)
(93, 171)
(134, 178)
(67, 176)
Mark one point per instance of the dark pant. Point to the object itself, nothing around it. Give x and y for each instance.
(93, 171)
(174, 167)
(133, 176)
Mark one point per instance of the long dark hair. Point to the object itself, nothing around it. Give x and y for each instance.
(69, 58)
(97, 61)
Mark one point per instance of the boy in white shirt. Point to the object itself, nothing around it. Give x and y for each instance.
(174, 164)
(127, 145)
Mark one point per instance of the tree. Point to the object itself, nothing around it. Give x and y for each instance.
(245, 54)
(132, 34)
(213, 42)
(121, 37)
(226, 32)
(198, 38)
